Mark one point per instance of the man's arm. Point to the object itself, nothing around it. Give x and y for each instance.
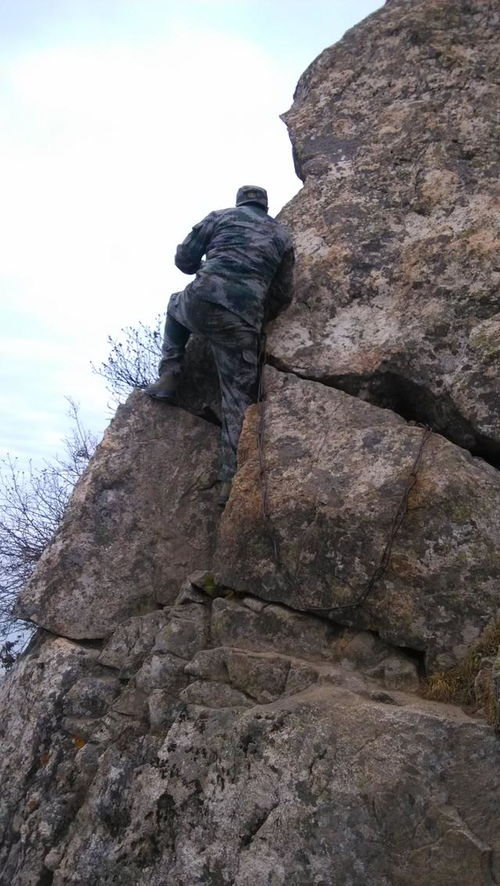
(280, 291)
(190, 252)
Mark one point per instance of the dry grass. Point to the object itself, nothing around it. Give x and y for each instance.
(470, 684)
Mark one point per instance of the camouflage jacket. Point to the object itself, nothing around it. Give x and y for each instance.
(248, 267)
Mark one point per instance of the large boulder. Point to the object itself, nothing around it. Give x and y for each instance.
(141, 517)
(397, 228)
(360, 502)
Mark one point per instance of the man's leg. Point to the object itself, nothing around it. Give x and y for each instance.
(235, 348)
(175, 338)
(237, 376)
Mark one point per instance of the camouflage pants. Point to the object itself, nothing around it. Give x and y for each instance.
(235, 345)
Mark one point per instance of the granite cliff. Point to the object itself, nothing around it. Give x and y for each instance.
(308, 695)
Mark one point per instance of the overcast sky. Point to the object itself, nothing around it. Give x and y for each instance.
(122, 123)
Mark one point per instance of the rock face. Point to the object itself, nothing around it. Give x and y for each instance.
(337, 473)
(397, 228)
(141, 516)
(252, 745)
(246, 700)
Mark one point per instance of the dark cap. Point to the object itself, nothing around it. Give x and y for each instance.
(251, 194)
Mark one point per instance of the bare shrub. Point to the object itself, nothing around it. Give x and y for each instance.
(133, 360)
(32, 503)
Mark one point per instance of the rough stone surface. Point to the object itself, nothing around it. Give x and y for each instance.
(38, 755)
(130, 642)
(212, 727)
(141, 518)
(285, 765)
(487, 689)
(397, 228)
(495, 683)
(336, 471)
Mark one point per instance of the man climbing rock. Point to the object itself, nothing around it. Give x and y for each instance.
(245, 280)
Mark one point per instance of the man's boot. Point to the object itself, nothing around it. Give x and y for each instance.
(164, 388)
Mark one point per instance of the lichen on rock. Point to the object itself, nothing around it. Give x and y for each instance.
(336, 472)
(397, 227)
(272, 742)
(142, 515)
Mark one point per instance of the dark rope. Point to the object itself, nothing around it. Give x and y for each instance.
(397, 520)
(395, 527)
(264, 495)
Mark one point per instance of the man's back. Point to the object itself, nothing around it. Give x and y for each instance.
(246, 242)
(245, 250)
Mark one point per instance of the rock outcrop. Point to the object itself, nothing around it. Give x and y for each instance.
(338, 471)
(252, 745)
(304, 690)
(395, 134)
(143, 514)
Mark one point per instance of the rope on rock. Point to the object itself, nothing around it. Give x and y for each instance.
(395, 527)
(397, 520)
(264, 496)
